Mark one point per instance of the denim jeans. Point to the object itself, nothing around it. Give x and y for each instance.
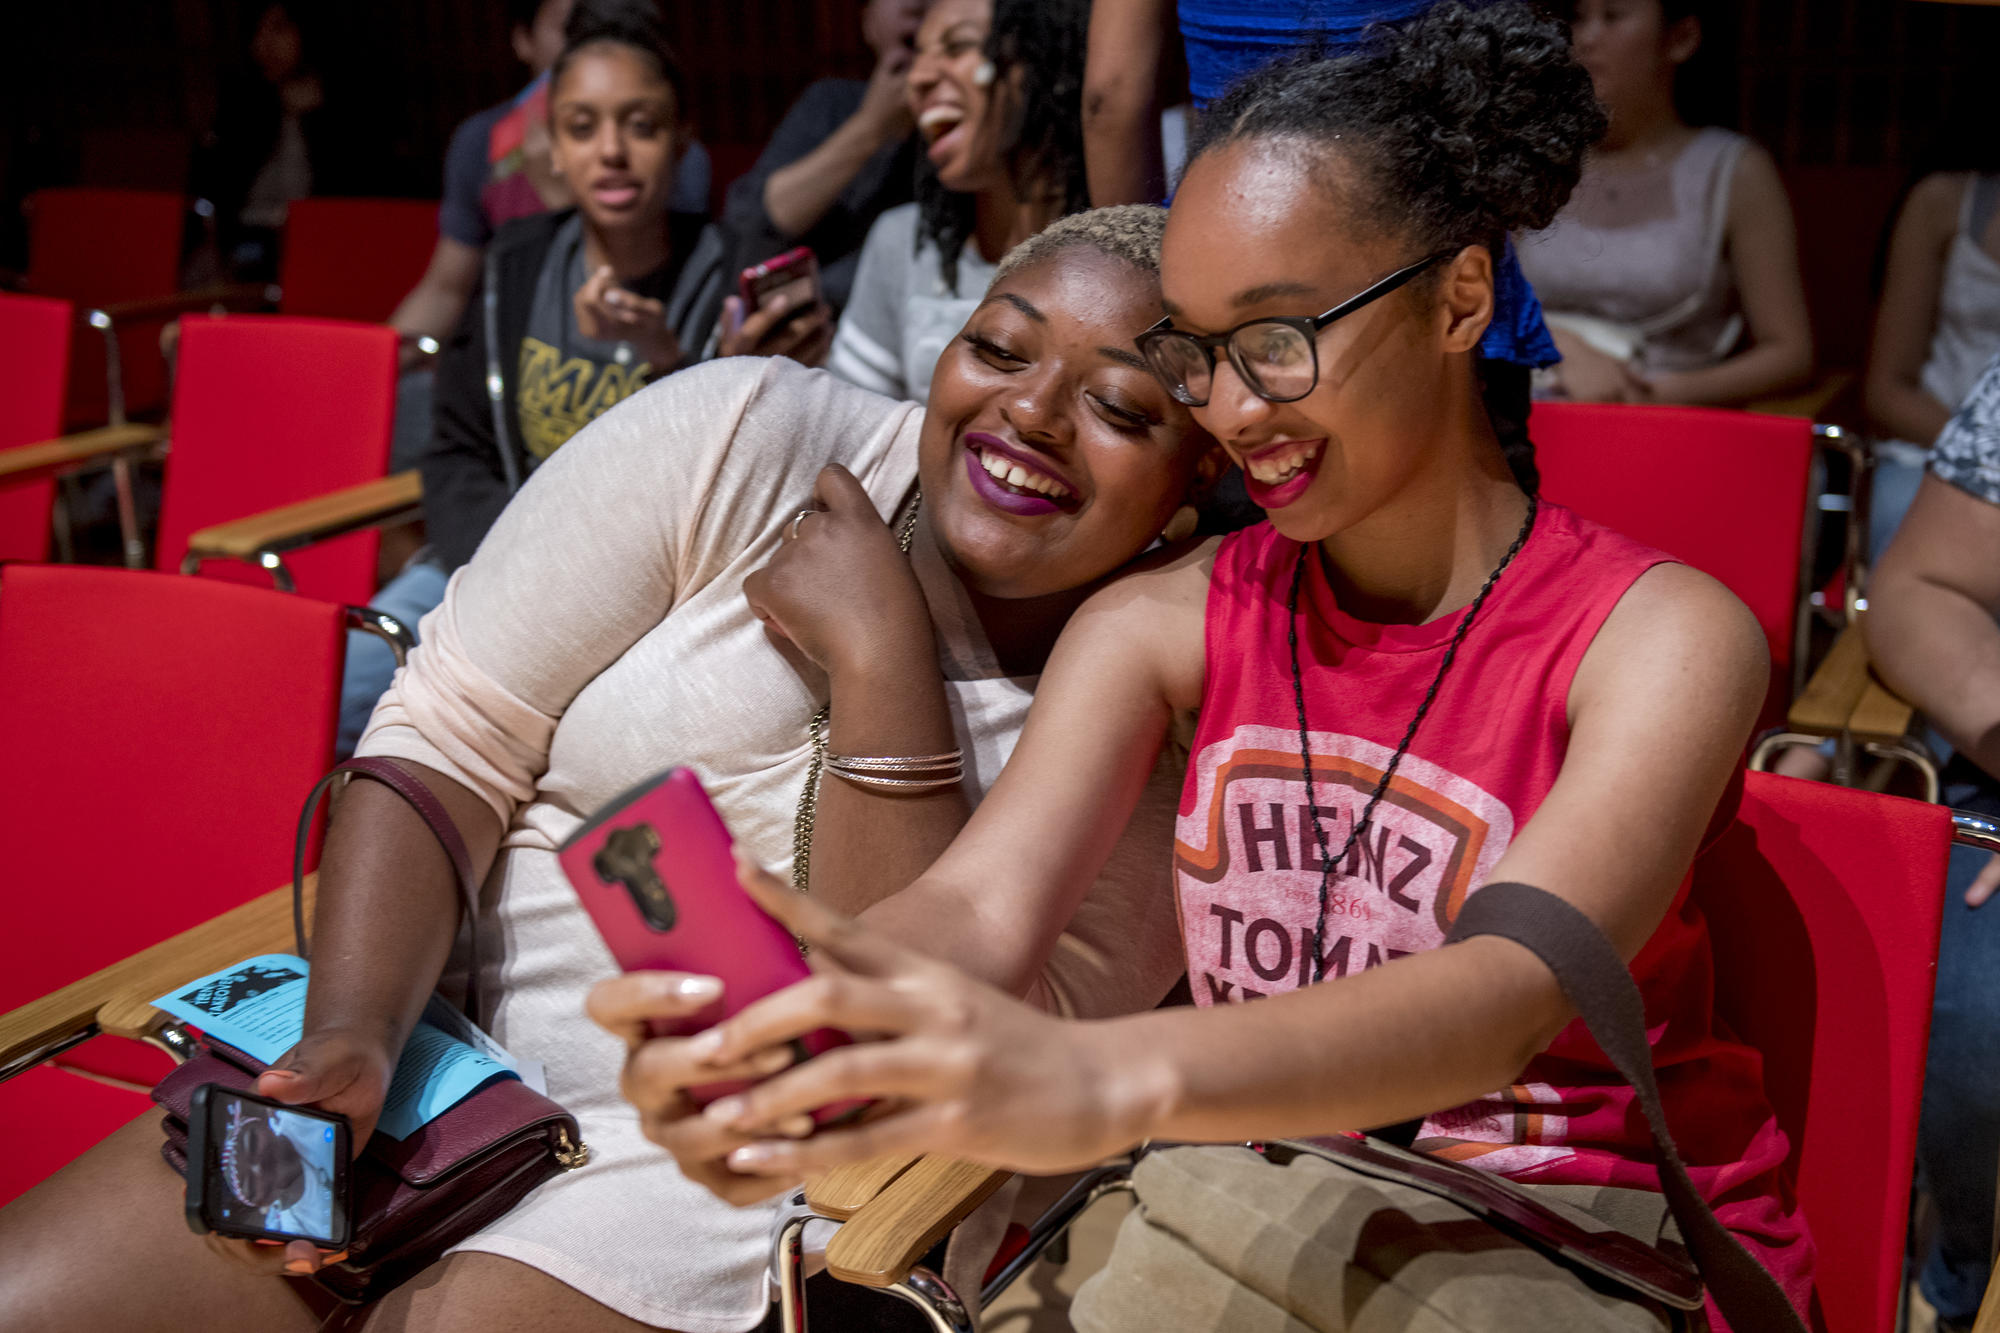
(1958, 1141)
(1895, 486)
(371, 663)
(412, 436)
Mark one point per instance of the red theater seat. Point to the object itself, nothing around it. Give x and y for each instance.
(107, 247)
(161, 732)
(1725, 491)
(270, 410)
(354, 258)
(34, 346)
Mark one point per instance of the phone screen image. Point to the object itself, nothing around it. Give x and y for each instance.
(272, 1171)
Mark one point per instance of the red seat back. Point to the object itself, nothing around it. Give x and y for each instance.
(34, 346)
(160, 734)
(270, 410)
(354, 258)
(99, 247)
(1724, 491)
(1823, 903)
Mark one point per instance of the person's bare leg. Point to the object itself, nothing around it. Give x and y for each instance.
(104, 1244)
(484, 1293)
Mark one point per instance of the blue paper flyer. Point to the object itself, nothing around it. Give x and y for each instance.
(259, 1005)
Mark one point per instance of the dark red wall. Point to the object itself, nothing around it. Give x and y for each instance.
(1846, 93)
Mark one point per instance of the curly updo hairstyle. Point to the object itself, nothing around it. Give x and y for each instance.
(1460, 127)
(1044, 41)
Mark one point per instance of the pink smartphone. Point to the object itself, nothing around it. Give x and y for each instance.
(795, 273)
(655, 870)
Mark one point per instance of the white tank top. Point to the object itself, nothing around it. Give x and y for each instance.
(1643, 251)
(1968, 321)
(1967, 336)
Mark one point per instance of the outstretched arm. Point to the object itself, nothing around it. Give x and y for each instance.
(1130, 656)
(1126, 661)
(1677, 674)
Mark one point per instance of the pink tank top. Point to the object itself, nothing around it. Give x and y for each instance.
(1247, 867)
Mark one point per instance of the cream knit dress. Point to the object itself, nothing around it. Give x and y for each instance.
(601, 635)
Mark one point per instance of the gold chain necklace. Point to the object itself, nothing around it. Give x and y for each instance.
(802, 823)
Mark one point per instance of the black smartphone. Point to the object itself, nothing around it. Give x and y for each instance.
(261, 1170)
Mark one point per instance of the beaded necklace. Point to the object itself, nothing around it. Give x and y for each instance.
(1327, 863)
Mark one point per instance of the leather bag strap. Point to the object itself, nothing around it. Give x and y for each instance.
(1596, 982)
(425, 802)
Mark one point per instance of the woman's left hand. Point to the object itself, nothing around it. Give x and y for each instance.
(609, 313)
(839, 588)
(952, 1066)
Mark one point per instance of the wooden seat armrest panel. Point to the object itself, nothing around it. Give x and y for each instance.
(262, 925)
(1879, 715)
(840, 1193)
(35, 460)
(878, 1244)
(234, 295)
(1821, 400)
(1837, 684)
(132, 1014)
(1989, 1310)
(290, 526)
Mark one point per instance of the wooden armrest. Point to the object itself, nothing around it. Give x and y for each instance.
(29, 460)
(877, 1246)
(1989, 1309)
(1814, 402)
(840, 1193)
(240, 294)
(1827, 702)
(1879, 715)
(262, 925)
(383, 500)
(1844, 697)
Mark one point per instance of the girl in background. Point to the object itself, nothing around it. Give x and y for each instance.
(1672, 276)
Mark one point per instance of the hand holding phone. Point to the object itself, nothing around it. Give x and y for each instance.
(261, 1170)
(778, 310)
(788, 282)
(656, 871)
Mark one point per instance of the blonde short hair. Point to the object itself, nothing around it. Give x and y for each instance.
(1128, 232)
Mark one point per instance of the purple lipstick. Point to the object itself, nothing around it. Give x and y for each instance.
(1006, 498)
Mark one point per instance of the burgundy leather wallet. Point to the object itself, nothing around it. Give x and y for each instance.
(417, 1197)
(413, 1198)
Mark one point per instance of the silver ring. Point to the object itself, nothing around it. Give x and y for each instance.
(792, 532)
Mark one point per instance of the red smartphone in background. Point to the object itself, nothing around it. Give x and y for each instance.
(795, 274)
(656, 872)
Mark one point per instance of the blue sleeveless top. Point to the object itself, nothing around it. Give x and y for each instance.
(1227, 39)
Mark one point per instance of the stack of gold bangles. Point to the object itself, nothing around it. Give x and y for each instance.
(911, 773)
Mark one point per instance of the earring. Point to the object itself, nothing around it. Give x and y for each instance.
(1181, 526)
(984, 74)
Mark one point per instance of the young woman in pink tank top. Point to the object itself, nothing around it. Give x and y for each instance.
(1413, 681)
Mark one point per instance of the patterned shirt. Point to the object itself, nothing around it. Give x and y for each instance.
(1967, 452)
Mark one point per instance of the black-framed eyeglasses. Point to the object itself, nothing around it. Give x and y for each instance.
(1277, 356)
